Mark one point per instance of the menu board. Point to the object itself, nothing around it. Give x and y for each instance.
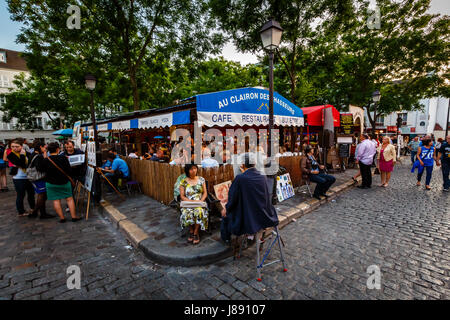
(347, 123)
(344, 150)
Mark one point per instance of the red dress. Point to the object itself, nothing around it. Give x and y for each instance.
(386, 166)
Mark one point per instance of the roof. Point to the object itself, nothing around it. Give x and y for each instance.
(14, 60)
(315, 116)
(144, 113)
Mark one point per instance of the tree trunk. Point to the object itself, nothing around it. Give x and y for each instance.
(371, 120)
(293, 90)
(136, 106)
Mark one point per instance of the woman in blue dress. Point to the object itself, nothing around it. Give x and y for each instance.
(426, 156)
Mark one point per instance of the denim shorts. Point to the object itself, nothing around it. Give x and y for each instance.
(39, 186)
(3, 166)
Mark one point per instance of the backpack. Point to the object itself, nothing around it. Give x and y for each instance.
(32, 173)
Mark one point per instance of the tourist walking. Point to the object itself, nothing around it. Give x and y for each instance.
(413, 145)
(366, 152)
(58, 181)
(193, 189)
(444, 154)
(426, 156)
(37, 179)
(3, 166)
(386, 157)
(21, 159)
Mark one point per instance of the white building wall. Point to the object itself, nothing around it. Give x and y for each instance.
(424, 121)
(8, 130)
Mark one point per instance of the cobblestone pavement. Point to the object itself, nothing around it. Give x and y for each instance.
(403, 229)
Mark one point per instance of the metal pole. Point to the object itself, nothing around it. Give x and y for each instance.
(375, 119)
(448, 119)
(270, 101)
(93, 119)
(97, 181)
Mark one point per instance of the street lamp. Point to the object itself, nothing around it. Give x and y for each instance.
(376, 96)
(90, 82)
(271, 37)
(90, 85)
(399, 133)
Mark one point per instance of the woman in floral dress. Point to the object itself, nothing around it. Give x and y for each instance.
(193, 189)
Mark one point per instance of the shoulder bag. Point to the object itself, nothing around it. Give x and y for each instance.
(32, 173)
(68, 177)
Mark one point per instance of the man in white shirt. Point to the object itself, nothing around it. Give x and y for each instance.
(133, 155)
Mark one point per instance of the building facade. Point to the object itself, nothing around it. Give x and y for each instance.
(12, 65)
(432, 119)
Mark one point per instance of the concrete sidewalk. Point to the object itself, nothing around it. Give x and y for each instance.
(155, 229)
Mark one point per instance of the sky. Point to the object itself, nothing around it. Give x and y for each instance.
(10, 29)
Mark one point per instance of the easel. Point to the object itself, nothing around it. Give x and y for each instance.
(82, 192)
(259, 247)
(109, 182)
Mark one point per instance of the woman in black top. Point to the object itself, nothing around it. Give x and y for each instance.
(21, 159)
(57, 172)
(39, 154)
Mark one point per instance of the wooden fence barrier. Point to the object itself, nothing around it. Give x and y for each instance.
(292, 165)
(157, 179)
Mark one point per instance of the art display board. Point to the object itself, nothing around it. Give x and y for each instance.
(91, 153)
(285, 189)
(89, 178)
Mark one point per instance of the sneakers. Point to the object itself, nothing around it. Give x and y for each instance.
(446, 190)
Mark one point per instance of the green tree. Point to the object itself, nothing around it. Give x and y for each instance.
(405, 58)
(244, 19)
(115, 36)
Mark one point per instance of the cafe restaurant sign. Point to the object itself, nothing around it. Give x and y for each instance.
(347, 122)
(246, 106)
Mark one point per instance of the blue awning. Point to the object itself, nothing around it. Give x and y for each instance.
(162, 120)
(246, 106)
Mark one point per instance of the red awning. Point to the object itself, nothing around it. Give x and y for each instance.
(314, 115)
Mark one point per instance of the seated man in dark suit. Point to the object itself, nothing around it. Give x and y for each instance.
(249, 208)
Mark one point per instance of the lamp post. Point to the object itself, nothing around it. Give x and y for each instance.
(90, 85)
(399, 135)
(271, 37)
(376, 96)
(90, 82)
(448, 119)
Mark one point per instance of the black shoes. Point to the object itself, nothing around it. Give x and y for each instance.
(73, 220)
(33, 215)
(363, 187)
(317, 197)
(46, 216)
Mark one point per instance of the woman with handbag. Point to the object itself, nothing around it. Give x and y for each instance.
(36, 178)
(386, 156)
(20, 159)
(58, 181)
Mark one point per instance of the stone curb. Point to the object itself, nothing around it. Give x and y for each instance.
(201, 256)
(152, 248)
